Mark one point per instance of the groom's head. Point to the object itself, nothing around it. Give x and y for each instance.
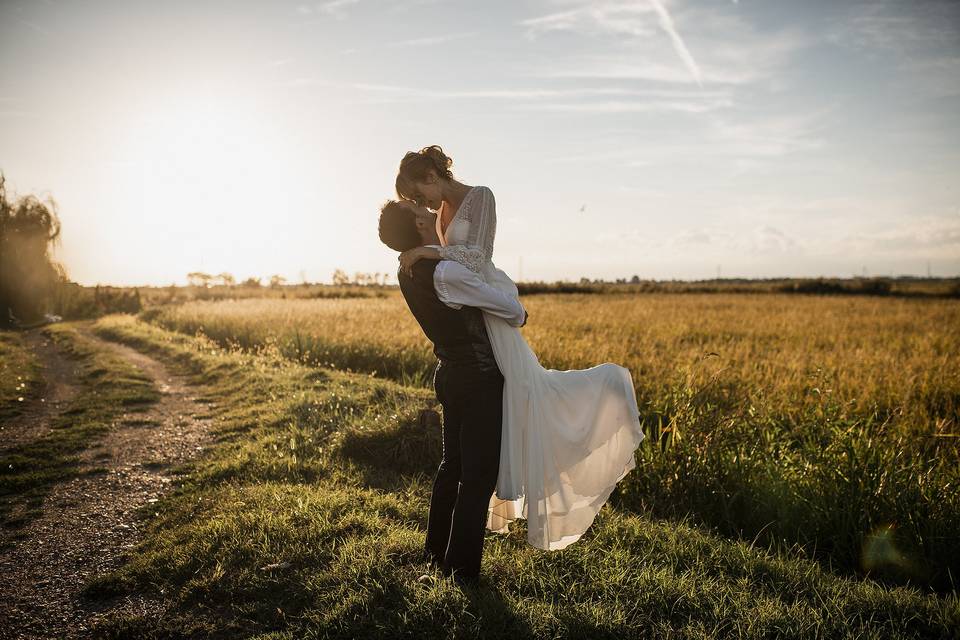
(404, 225)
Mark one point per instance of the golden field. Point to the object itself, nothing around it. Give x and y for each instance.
(896, 357)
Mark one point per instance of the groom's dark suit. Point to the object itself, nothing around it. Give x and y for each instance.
(469, 386)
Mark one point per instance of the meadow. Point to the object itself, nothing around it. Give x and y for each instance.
(306, 516)
(798, 479)
(825, 424)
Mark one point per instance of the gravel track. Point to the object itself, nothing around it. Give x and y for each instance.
(88, 522)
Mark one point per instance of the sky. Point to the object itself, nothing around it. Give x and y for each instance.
(659, 138)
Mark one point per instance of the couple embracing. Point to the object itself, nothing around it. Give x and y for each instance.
(519, 440)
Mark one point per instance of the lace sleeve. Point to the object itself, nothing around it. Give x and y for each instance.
(467, 256)
(481, 213)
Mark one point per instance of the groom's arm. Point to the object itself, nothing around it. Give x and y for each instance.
(457, 286)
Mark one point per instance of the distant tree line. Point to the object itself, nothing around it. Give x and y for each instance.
(340, 278)
(875, 286)
(904, 286)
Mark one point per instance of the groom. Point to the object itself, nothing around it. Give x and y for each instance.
(448, 301)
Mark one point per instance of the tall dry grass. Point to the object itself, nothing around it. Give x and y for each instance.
(888, 357)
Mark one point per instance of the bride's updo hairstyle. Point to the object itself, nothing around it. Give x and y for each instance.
(415, 166)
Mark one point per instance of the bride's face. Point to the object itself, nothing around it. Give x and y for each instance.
(429, 192)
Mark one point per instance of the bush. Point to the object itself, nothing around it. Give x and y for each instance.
(28, 275)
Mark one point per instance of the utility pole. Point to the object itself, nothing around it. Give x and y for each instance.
(718, 272)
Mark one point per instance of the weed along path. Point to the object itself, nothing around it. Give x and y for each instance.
(88, 520)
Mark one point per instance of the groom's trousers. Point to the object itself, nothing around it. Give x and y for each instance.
(472, 401)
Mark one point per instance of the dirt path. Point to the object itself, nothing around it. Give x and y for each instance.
(60, 386)
(89, 522)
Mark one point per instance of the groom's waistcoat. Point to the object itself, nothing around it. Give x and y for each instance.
(459, 336)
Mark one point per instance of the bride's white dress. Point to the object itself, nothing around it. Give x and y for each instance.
(568, 436)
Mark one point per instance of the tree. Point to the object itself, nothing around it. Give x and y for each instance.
(251, 282)
(29, 277)
(227, 279)
(340, 278)
(199, 279)
(277, 280)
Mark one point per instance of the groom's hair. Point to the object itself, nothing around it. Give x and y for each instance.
(398, 227)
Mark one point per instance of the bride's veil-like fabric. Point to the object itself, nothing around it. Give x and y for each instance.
(568, 436)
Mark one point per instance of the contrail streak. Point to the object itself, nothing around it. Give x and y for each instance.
(667, 23)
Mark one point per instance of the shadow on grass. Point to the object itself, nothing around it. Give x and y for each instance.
(388, 458)
(825, 486)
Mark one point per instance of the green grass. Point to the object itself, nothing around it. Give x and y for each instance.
(328, 475)
(108, 386)
(828, 423)
(21, 376)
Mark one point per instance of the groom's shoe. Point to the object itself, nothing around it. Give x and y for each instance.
(435, 563)
(464, 582)
(459, 578)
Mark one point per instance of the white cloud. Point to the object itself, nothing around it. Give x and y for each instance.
(432, 40)
(937, 76)
(666, 21)
(629, 18)
(905, 28)
(334, 8)
(922, 39)
(731, 51)
(43, 31)
(761, 240)
(772, 136)
(767, 240)
(691, 237)
(628, 68)
(725, 141)
(924, 237)
(708, 242)
(636, 106)
(564, 21)
(542, 99)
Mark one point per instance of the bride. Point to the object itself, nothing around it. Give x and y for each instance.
(568, 436)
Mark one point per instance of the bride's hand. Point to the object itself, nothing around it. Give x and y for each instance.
(409, 258)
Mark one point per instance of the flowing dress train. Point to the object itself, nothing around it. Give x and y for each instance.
(568, 436)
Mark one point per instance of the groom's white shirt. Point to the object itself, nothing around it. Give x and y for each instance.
(457, 286)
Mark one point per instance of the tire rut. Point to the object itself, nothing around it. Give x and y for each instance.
(60, 387)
